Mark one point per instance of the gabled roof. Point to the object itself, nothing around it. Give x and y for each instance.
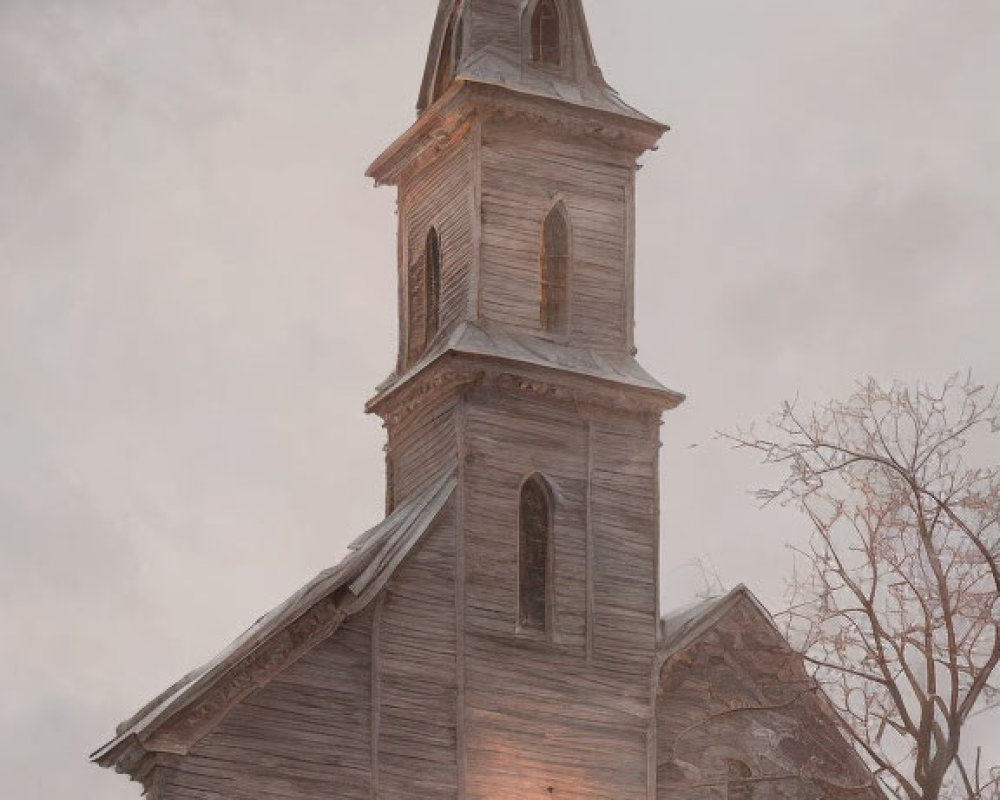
(687, 626)
(482, 340)
(684, 627)
(278, 638)
(493, 54)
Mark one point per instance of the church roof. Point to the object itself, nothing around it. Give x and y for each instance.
(685, 626)
(493, 54)
(479, 339)
(349, 587)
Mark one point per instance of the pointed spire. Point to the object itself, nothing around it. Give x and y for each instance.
(537, 47)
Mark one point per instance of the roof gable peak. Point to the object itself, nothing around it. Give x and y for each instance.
(686, 626)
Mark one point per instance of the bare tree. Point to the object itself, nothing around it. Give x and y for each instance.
(895, 603)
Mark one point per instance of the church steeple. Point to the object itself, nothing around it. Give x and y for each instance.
(516, 187)
(540, 47)
(517, 377)
(516, 215)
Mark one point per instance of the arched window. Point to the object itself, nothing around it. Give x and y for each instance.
(546, 34)
(390, 483)
(555, 271)
(432, 286)
(739, 786)
(458, 44)
(535, 523)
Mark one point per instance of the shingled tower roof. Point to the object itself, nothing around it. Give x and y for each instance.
(489, 42)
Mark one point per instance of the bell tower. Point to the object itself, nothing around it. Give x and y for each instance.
(516, 374)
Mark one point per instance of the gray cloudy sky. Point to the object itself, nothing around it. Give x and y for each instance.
(196, 295)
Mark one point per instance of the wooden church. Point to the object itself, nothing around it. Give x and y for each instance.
(498, 635)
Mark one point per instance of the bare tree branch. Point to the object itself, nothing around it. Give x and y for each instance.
(897, 610)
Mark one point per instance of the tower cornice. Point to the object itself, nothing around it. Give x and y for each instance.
(466, 101)
(559, 374)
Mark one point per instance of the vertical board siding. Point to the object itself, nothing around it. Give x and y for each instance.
(496, 23)
(422, 449)
(305, 736)
(439, 196)
(524, 173)
(508, 441)
(418, 691)
(538, 714)
(625, 525)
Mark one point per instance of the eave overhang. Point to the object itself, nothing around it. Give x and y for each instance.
(467, 99)
(615, 381)
(186, 712)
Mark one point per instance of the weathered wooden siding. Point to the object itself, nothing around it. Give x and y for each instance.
(305, 736)
(496, 23)
(625, 531)
(509, 439)
(540, 713)
(422, 449)
(740, 695)
(525, 170)
(441, 195)
(417, 677)
(502, 26)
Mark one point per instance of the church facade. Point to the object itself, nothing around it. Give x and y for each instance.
(498, 635)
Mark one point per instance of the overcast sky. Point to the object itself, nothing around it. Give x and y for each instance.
(197, 296)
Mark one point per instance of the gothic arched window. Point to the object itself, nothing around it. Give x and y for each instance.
(458, 44)
(738, 786)
(546, 33)
(535, 540)
(555, 271)
(432, 286)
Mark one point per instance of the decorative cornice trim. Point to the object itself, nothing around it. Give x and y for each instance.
(430, 134)
(509, 383)
(502, 103)
(586, 401)
(451, 116)
(191, 723)
(426, 390)
(139, 758)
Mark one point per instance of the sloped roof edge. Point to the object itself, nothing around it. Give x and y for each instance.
(484, 340)
(445, 13)
(304, 620)
(513, 74)
(684, 627)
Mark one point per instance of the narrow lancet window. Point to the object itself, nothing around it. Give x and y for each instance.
(390, 484)
(536, 514)
(432, 286)
(415, 310)
(546, 36)
(458, 46)
(555, 271)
